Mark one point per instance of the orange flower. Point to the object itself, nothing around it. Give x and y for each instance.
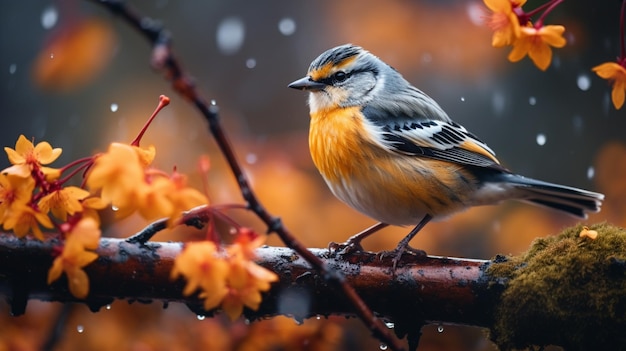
(119, 175)
(84, 236)
(617, 74)
(536, 42)
(203, 269)
(26, 157)
(63, 202)
(91, 206)
(246, 279)
(503, 21)
(23, 219)
(14, 191)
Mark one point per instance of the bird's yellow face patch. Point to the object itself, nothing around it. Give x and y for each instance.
(330, 68)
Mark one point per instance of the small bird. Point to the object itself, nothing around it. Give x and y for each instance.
(390, 151)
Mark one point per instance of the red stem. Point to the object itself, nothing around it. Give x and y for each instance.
(163, 101)
(549, 9)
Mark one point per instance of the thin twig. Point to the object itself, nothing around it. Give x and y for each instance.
(162, 57)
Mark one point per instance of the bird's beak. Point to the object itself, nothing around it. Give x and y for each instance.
(307, 84)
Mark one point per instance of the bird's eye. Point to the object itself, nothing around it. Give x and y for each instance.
(340, 76)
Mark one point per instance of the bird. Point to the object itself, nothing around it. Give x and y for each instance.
(388, 150)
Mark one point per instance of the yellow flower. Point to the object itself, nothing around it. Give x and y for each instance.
(617, 73)
(119, 175)
(503, 21)
(23, 219)
(14, 191)
(246, 280)
(536, 44)
(203, 269)
(63, 202)
(91, 206)
(26, 157)
(84, 236)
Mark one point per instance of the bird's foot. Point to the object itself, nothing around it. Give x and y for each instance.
(397, 253)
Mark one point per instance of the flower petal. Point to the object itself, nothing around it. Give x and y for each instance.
(608, 70)
(553, 35)
(618, 93)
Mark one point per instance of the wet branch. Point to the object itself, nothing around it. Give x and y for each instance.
(423, 288)
(164, 60)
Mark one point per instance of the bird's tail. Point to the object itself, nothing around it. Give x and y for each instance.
(576, 202)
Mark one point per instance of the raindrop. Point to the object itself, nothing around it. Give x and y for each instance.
(497, 101)
(12, 68)
(251, 158)
(230, 35)
(246, 321)
(114, 107)
(475, 13)
(532, 100)
(49, 17)
(318, 317)
(427, 57)
(390, 325)
(287, 26)
(591, 172)
(114, 208)
(213, 102)
(108, 307)
(462, 98)
(80, 329)
(250, 63)
(584, 82)
(383, 346)
(541, 139)
(51, 55)
(200, 317)
(440, 328)
(577, 121)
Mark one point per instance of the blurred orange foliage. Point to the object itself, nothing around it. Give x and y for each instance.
(74, 56)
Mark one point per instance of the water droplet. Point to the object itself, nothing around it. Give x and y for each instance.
(114, 208)
(287, 26)
(440, 328)
(427, 57)
(80, 329)
(49, 17)
(51, 55)
(591, 172)
(475, 13)
(390, 325)
(497, 102)
(318, 317)
(108, 307)
(584, 82)
(114, 107)
(12, 68)
(463, 98)
(251, 158)
(383, 346)
(200, 317)
(532, 100)
(213, 102)
(578, 122)
(246, 321)
(541, 139)
(230, 35)
(250, 63)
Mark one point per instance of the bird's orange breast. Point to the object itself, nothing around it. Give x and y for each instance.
(336, 142)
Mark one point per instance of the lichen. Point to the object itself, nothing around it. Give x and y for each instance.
(565, 290)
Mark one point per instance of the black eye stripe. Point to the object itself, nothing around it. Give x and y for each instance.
(341, 76)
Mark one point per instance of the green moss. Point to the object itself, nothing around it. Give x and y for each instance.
(566, 290)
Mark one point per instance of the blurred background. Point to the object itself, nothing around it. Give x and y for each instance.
(74, 75)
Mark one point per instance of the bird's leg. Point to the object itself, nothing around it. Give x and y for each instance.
(403, 245)
(353, 244)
